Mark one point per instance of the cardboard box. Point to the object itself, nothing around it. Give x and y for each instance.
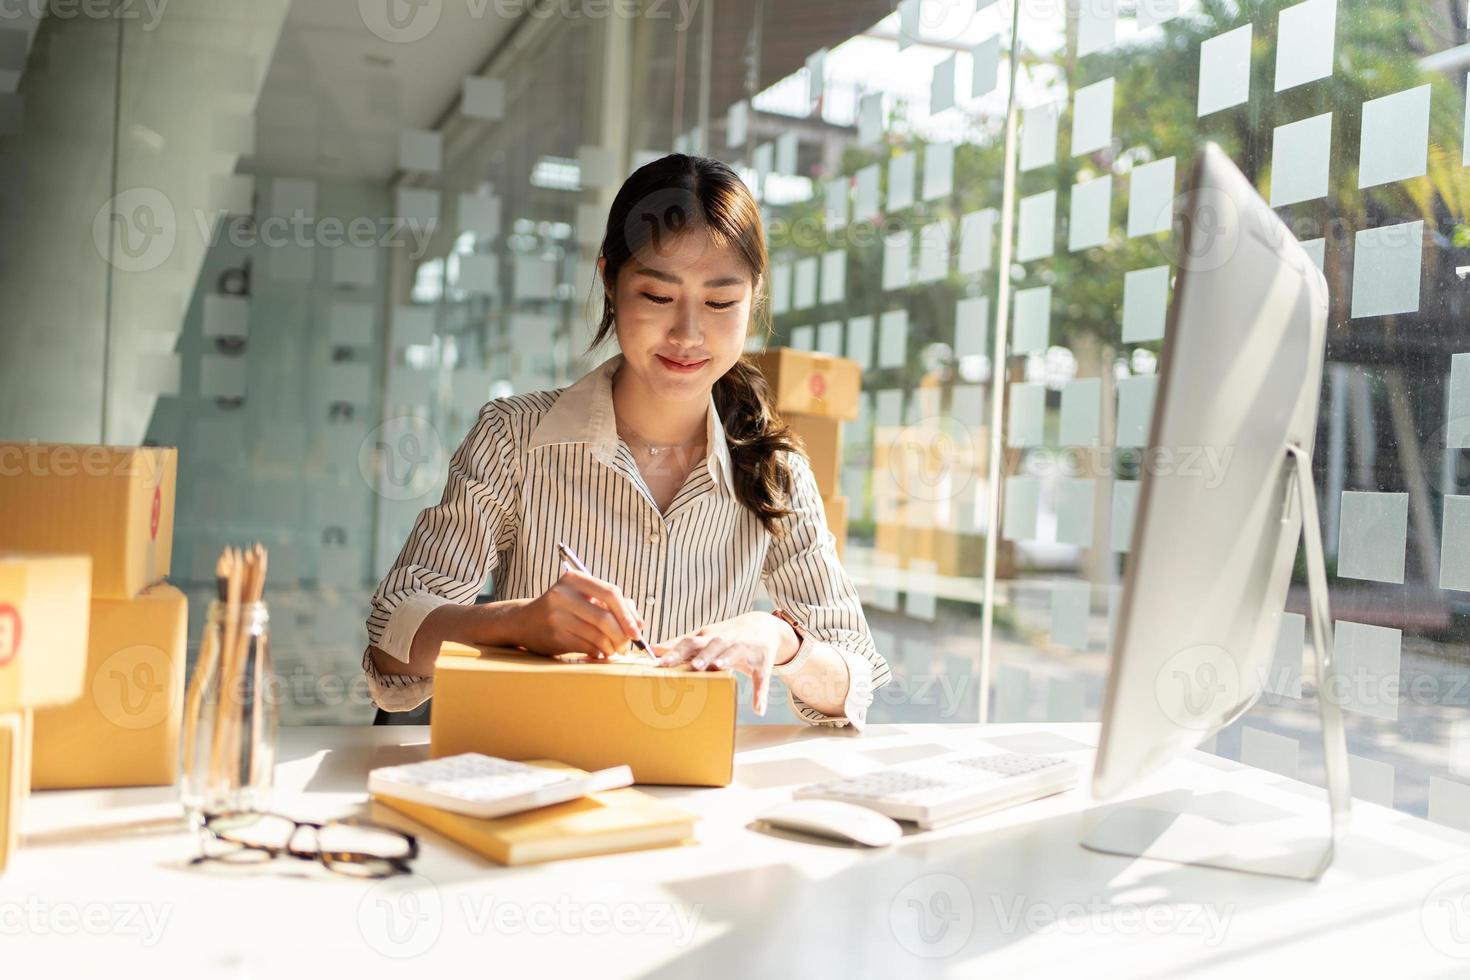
(113, 503)
(675, 727)
(809, 383)
(822, 439)
(43, 629)
(836, 510)
(14, 784)
(124, 731)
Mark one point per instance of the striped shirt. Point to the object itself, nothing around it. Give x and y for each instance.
(549, 466)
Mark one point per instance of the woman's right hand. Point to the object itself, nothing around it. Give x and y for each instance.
(579, 614)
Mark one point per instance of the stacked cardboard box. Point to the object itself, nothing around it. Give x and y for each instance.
(814, 394)
(43, 648)
(920, 480)
(116, 505)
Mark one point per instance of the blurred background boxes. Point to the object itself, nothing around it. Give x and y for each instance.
(809, 383)
(43, 628)
(113, 503)
(821, 436)
(124, 730)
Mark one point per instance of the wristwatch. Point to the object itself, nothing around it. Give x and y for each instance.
(803, 648)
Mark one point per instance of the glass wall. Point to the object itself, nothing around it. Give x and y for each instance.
(305, 242)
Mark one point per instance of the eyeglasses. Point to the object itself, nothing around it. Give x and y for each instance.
(349, 846)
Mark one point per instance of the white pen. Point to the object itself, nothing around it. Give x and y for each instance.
(569, 557)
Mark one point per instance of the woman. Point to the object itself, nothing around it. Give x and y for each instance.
(665, 469)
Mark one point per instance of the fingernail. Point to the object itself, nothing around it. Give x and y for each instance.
(698, 665)
(720, 664)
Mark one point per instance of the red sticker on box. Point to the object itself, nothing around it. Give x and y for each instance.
(818, 384)
(9, 633)
(157, 509)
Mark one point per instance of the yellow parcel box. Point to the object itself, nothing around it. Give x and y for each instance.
(113, 503)
(124, 730)
(14, 781)
(43, 628)
(671, 726)
(810, 383)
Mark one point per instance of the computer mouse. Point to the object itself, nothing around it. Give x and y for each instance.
(835, 819)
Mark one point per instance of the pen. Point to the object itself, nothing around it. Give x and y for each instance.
(569, 557)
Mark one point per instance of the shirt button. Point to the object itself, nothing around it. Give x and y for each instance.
(651, 600)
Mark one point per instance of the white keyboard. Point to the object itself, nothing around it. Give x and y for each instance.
(484, 786)
(943, 790)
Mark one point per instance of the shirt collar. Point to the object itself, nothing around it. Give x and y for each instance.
(583, 412)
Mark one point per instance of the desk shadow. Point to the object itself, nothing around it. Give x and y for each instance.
(93, 833)
(782, 772)
(890, 912)
(344, 770)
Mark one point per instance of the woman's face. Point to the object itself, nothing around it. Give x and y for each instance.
(682, 314)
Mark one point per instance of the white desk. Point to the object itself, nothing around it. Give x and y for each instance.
(101, 884)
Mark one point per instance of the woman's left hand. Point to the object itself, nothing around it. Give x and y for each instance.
(748, 643)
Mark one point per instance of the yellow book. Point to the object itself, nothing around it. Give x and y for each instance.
(602, 823)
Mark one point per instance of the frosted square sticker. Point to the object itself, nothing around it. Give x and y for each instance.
(834, 276)
(870, 119)
(1039, 136)
(1299, 156)
(1457, 428)
(1081, 401)
(829, 338)
(780, 288)
(1454, 552)
(938, 170)
(896, 260)
(1031, 327)
(1069, 611)
(804, 292)
(893, 338)
(1145, 304)
(1267, 750)
(1370, 780)
(865, 193)
(972, 327)
(1224, 71)
(1304, 41)
(860, 341)
(977, 234)
(1367, 662)
(933, 262)
(941, 85)
(1285, 677)
(1092, 117)
(1125, 509)
(985, 67)
(1097, 25)
(836, 201)
(1022, 505)
(1386, 265)
(901, 172)
(803, 338)
(1151, 198)
(1027, 415)
(1395, 138)
(1076, 499)
(1135, 409)
(1371, 534)
(420, 149)
(1091, 203)
(1036, 238)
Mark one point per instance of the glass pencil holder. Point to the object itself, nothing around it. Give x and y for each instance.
(231, 721)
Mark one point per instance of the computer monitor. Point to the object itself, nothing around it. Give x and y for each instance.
(1218, 519)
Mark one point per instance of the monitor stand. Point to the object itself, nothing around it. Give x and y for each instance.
(1225, 830)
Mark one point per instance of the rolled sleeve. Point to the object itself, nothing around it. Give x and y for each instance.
(395, 692)
(804, 576)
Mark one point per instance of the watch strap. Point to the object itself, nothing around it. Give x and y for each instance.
(803, 648)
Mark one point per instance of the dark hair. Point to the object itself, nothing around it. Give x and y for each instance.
(667, 198)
